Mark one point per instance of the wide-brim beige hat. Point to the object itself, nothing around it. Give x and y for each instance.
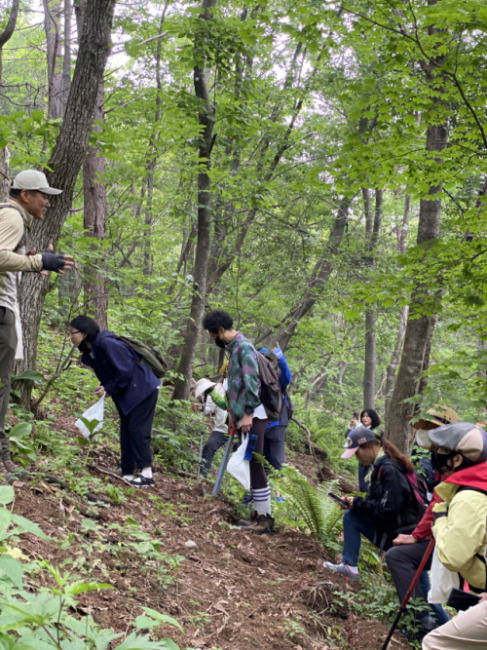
(202, 385)
(437, 416)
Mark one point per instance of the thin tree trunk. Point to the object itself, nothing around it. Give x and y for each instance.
(372, 234)
(66, 77)
(419, 329)
(403, 316)
(95, 222)
(54, 44)
(420, 325)
(153, 154)
(207, 121)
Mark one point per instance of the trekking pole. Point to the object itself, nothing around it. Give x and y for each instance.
(224, 463)
(203, 431)
(414, 581)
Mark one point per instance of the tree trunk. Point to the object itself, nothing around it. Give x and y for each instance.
(372, 235)
(54, 42)
(95, 222)
(152, 157)
(66, 76)
(419, 329)
(403, 316)
(65, 161)
(95, 206)
(206, 119)
(420, 325)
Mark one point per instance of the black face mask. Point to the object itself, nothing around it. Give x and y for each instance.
(82, 347)
(220, 343)
(440, 461)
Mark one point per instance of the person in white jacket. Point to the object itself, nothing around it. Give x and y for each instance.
(214, 406)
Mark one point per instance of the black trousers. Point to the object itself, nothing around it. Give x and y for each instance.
(258, 477)
(216, 440)
(403, 562)
(8, 345)
(274, 449)
(135, 435)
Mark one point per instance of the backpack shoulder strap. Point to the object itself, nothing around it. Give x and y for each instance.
(14, 207)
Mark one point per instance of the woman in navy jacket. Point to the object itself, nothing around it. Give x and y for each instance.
(133, 388)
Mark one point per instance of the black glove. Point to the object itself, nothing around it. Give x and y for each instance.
(52, 261)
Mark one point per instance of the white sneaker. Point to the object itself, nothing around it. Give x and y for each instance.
(342, 569)
(141, 482)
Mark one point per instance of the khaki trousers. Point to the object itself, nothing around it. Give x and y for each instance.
(8, 345)
(466, 631)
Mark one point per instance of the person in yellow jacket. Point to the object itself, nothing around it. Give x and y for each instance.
(460, 527)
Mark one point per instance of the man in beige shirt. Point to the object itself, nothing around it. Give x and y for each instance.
(28, 200)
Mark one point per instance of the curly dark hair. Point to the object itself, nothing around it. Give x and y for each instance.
(85, 325)
(373, 416)
(216, 319)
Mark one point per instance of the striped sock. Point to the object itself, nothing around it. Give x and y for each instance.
(262, 500)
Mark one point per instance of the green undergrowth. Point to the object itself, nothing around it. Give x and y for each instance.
(33, 618)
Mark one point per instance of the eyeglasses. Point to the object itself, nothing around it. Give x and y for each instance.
(74, 332)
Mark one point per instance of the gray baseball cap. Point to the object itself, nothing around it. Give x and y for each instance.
(30, 179)
(467, 439)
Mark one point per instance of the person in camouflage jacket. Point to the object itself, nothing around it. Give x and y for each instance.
(247, 414)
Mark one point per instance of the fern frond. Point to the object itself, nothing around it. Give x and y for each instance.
(310, 504)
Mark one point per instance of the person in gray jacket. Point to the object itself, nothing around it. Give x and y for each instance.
(28, 200)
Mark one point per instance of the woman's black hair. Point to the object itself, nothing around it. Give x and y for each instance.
(216, 319)
(85, 325)
(373, 416)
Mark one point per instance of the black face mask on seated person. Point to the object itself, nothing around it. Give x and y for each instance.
(440, 461)
(220, 343)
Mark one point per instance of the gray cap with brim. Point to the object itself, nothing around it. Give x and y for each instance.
(465, 438)
(357, 437)
(35, 181)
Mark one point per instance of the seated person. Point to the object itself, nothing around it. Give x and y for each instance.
(389, 506)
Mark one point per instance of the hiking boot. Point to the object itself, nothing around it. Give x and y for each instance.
(245, 523)
(262, 525)
(9, 465)
(141, 482)
(342, 569)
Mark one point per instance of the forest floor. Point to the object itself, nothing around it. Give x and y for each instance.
(177, 551)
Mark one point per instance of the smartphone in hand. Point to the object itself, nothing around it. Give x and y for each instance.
(336, 498)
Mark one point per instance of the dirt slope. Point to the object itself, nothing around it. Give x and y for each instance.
(181, 554)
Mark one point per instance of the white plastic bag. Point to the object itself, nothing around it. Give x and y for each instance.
(442, 581)
(95, 412)
(238, 467)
